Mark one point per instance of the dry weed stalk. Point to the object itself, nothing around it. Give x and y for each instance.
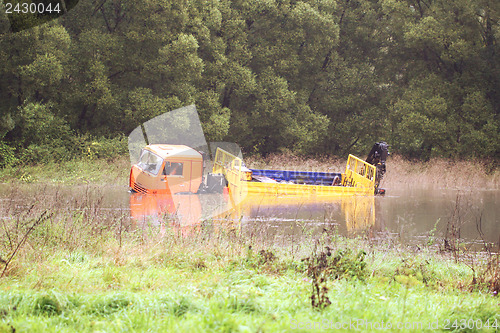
(487, 274)
(43, 217)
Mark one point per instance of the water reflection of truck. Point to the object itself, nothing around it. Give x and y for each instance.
(282, 214)
(175, 169)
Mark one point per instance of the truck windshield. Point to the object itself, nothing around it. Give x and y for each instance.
(150, 162)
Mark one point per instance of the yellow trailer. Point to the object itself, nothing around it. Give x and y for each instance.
(359, 178)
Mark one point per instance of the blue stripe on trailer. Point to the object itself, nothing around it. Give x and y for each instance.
(299, 177)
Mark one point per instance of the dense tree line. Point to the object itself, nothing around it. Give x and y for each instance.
(318, 76)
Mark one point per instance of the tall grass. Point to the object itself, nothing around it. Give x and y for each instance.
(444, 173)
(86, 268)
(437, 172)
(78, 171)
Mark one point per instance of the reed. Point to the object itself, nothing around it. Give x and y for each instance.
(437, 172)
(443, 173)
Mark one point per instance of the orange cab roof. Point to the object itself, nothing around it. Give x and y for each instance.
(177, 151)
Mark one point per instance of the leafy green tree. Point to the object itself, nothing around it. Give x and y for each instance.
(319, 76)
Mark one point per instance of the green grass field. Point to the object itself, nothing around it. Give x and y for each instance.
(209, 280)
(184, 287)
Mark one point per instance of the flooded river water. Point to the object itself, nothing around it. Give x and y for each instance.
(409, 215)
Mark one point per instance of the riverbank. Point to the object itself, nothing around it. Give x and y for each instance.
(82, 171)
(68, 265)
(442, 173)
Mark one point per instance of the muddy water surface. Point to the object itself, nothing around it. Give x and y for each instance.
(409, 215)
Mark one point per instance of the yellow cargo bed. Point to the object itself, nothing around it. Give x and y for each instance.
(358, 179)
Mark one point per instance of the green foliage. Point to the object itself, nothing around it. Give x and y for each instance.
(110, 304)
(413, 272)
(47, 305)
(350, 264)
(301, 76)
(242, 305)
(449, 103)
(41, 135)
(323, 266)
(7, 155)
(104, 148)
(181, 307)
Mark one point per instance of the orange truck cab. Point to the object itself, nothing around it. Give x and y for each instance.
(164, 168)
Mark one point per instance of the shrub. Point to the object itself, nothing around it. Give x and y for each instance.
(47, 305)
(104, 147)
(7, 155)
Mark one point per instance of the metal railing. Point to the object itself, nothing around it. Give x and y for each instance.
(359, 173)
(230, 166)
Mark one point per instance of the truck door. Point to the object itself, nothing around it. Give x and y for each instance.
(177, 174)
